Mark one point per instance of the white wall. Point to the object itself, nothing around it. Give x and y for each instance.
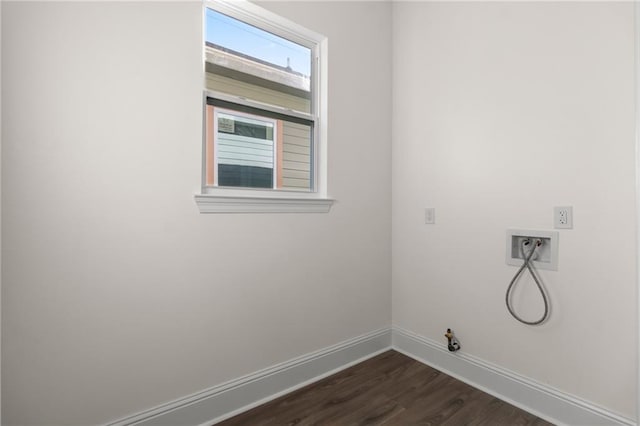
(502, 111)
(0, 214)
(117, 294)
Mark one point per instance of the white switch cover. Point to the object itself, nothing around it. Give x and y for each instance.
(563, 217)
(429, 215)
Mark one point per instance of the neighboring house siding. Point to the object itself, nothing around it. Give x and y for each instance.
(245, 151)
(296, 162)
(251, 91)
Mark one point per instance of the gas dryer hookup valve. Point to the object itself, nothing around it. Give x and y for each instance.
(453, 344)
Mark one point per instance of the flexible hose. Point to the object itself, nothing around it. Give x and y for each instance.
(526, 264)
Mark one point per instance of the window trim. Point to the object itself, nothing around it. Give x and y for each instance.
(254, 204)
(251, 200)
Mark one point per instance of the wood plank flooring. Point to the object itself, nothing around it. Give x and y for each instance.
(389, 389)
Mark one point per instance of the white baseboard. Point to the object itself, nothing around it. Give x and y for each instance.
(228, 399)
(543, 401)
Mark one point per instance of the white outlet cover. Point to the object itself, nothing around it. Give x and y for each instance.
(563, 217)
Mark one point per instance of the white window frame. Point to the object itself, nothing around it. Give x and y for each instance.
(251, 200)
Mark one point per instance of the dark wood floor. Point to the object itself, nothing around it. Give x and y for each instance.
(389, 389)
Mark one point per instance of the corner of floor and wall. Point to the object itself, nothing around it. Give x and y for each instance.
(122, 305)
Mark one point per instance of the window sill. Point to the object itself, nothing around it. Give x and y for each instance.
(235, 204)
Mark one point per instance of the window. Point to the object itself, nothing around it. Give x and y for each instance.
(252, 148)
(264, 139)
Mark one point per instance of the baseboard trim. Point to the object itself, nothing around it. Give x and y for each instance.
(543, 401)
(231, 398)
(226, 400)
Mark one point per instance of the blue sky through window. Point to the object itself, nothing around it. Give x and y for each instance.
(249, 40)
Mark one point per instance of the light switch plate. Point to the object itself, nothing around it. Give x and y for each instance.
(430, 215)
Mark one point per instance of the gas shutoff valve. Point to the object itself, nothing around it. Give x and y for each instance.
(453, 344)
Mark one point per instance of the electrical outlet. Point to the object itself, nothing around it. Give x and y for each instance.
(563, 217)
(429, 215)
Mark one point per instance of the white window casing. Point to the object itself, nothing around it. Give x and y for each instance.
(252, 200)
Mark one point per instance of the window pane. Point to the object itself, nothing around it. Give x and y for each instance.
(246, 61)
(245, 151)
(245, 176)
(256, 43)
(257, 149)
